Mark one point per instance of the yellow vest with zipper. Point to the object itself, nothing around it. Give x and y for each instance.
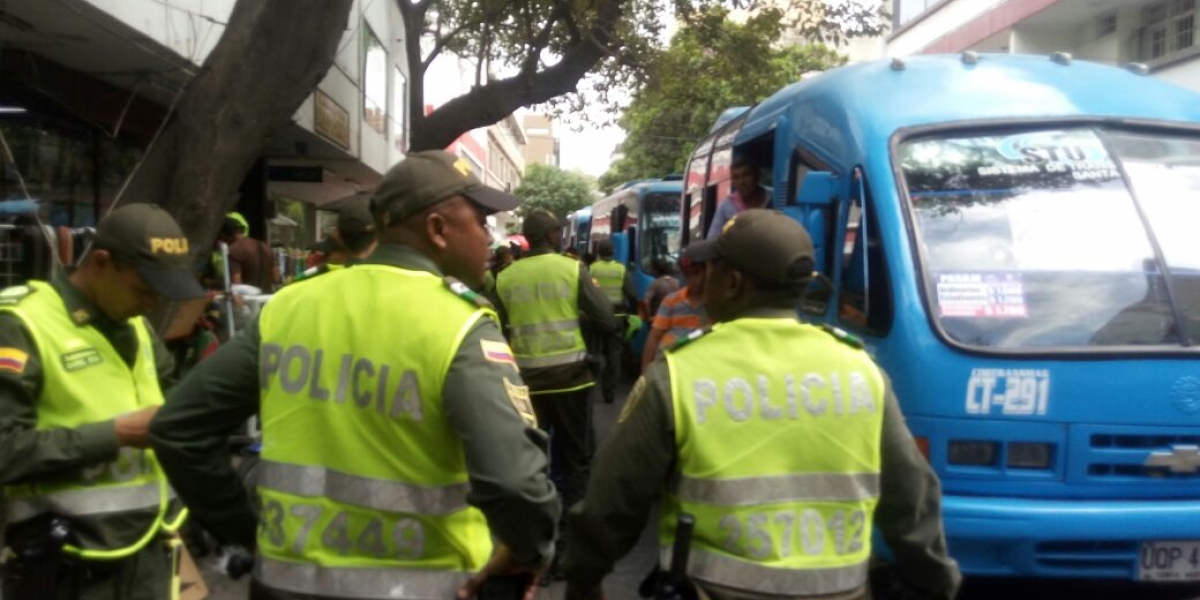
(85, 381)
(778, 431)
(363, 480)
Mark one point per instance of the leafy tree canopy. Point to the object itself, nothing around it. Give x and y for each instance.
(710, 66)
(573, 53)
(553, 189)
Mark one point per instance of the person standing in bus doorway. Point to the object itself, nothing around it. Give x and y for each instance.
(79, 382)
(747, 194)
(546, 302)
(616, 282)
(785, 489)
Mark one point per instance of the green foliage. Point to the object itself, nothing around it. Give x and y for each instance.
(553, 189)
(711, 65)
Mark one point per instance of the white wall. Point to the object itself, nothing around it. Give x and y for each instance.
(1185, 73)
(933, 26)
(191, 28)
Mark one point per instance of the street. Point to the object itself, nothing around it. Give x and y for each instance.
(623, 583)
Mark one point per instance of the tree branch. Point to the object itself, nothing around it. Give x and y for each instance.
(487, 104)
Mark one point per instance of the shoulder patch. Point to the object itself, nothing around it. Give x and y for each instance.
(518, 395)
(13, 295)
(461, 290)
(498, 352)
(842, 336)
(13, 360)
(689, 338)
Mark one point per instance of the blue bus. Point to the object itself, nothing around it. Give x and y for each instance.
(1014, 238)
(641, 218)
(578, 230)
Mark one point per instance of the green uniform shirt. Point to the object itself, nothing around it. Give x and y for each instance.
(639, 456)
(28, 454)
(505, 456)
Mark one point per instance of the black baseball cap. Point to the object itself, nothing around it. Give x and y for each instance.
(426, 178)
(538, 224)
(149, 238)
(767, 244)
(355, 217)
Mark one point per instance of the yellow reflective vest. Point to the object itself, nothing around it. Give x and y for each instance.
(541, 297)
(85, 381)
(610, 278)
(363, 480)
(778, 432)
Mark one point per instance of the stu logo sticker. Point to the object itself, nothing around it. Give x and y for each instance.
(1010, 392)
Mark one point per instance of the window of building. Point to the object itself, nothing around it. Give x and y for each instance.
(399, 118)
(374, 81)
(1106, 24)
(905, 11)
(1168, 29)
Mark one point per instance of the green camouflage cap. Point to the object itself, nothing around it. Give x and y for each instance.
(766, 244)
(149, 238)
(424, 179)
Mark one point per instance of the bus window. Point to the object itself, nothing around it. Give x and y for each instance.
(1033, 239)
(659, 234)
(864, 301)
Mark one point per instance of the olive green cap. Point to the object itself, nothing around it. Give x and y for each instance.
(538, 224)
(355, 216)
(426, 178)
(766, 244)
(149, 238)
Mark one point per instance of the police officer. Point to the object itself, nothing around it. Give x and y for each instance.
(546, 301)
(783, 440)
(617, 284)
(353, 238)
(79, 381)
(397, 435)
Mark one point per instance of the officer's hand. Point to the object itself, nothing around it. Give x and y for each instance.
(133, 428)
(501, 564)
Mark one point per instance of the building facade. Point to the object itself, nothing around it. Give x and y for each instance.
(543, 147)
(1157, 33)
(86, 83)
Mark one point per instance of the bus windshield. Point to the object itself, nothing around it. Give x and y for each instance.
(659, 228)
(1059, 239)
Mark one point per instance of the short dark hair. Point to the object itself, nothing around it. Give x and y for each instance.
(604, 248)
(231, 226)
(357, 241)
(741, 160)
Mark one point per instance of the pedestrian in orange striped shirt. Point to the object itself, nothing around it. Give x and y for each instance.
(679, 314)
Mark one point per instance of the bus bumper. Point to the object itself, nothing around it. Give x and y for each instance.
(1061, 538)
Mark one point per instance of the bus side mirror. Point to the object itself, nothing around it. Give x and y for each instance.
(817, 296)
(817, 189)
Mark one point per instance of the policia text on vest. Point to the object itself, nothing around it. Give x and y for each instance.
(360, 381)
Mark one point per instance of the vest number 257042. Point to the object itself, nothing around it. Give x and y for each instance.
(758, 534)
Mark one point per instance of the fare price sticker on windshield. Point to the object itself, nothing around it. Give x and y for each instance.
(981, 295)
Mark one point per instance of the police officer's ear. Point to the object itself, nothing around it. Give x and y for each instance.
(435, 229)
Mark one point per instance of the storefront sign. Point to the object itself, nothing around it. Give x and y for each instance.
(331, 120)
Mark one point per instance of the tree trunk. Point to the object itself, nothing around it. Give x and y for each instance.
(270, 58)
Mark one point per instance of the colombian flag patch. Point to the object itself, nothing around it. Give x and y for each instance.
(13, 360)
(497, 352)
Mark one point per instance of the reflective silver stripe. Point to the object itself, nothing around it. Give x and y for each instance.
(564, 325)
(367, 492)
(802, 487)
(534, 362)
(84, 501)
(752, 577)
(350, 582)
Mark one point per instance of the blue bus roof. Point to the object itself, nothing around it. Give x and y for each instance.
(585, 212)
(872, 100)
(727, 116)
